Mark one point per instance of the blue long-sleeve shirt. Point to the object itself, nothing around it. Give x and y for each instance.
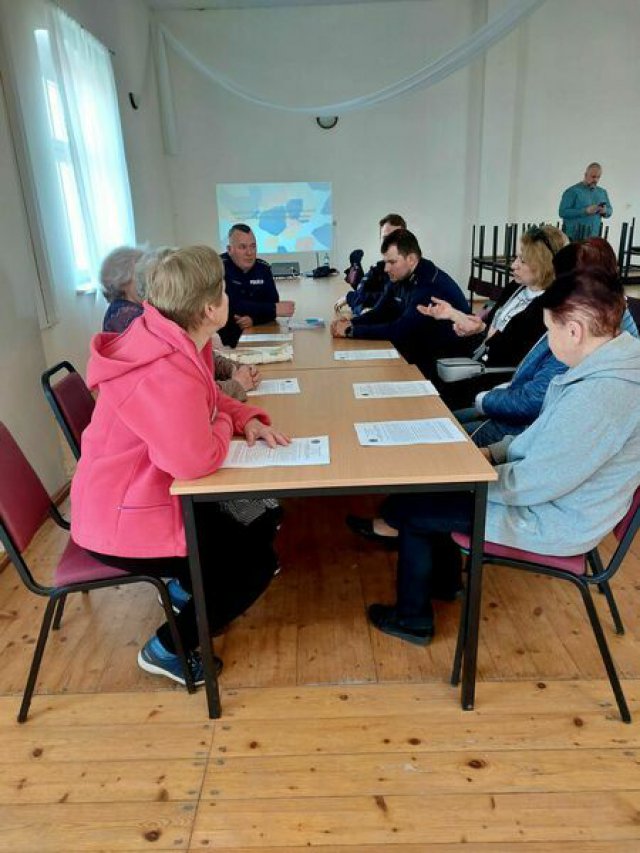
(418, 338)
(252, 293)
(576, 222)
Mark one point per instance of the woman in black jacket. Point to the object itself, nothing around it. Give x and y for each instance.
(513, 325)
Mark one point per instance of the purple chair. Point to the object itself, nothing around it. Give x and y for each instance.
(71, 401)
(24, 506)
(583, 570)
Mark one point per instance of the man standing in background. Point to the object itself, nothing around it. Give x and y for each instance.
(584, 205)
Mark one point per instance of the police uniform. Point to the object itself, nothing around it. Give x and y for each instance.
(252, 293)
(420, 339)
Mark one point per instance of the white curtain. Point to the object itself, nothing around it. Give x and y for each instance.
(89, 98)
(63, 109)
(477, 44)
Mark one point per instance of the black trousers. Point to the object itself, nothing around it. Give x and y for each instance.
(238, 563)
(429, 561)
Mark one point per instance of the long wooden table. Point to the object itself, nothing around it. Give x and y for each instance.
(314, 348)
(326, 406)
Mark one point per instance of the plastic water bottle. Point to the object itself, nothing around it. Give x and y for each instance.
(326, 260)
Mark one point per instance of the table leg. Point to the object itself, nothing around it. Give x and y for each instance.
(210, 677)
(473, 597)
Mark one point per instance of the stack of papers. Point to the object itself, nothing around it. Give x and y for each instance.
(364, 354)
(307, 323)
(265, 338)
(261, 355)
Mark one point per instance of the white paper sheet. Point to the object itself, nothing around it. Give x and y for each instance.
(263, 338)
(380, 390)
(364, 354)
(396, 433)
(301, 451)
(276, 386)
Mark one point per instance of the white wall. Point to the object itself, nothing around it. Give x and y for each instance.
(498, 141)
(22, 405)
(407, 156)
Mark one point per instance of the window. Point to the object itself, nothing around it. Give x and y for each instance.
(62, 158)
(87, 152)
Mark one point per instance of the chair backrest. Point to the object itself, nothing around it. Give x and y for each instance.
(632, 517)
(71, 402)
(633, 304)
(24, 502)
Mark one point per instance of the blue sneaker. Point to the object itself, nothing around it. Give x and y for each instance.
(178, 595)
(154, 658)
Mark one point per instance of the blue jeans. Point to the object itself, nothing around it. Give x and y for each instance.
(482, 430)
(428, 559)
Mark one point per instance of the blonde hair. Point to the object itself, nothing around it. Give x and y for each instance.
(538, 249)
(182, 281)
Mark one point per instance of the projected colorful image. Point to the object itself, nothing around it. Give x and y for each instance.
(286, 218)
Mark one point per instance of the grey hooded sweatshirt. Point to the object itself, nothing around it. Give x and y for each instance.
(570, 477)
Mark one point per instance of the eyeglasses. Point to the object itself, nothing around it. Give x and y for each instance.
(538, 235)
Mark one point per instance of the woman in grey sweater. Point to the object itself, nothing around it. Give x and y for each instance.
(562, 484)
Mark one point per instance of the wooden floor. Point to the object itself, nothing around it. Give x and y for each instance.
(333, 737)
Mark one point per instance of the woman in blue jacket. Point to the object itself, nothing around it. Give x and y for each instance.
(509, 408)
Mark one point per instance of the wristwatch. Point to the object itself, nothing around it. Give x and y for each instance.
(348, 332)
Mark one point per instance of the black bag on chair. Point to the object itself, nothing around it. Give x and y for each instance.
(354, 273)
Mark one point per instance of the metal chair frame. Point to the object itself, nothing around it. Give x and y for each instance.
(56, 598)
(597, 575)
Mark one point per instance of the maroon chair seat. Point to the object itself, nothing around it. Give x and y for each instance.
(575, 565)
(77, 566)
(24, 507)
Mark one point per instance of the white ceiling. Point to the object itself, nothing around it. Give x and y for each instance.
(248, 4)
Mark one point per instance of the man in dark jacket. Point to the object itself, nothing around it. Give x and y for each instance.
(253, 297)
(370, 287)
(413, 279)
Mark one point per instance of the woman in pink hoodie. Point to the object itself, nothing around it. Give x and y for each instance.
(159, 416)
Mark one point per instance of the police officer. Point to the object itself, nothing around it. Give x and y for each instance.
(253, 297)
(414, 280)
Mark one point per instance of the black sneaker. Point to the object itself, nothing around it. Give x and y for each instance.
(447, 594)
(364, 527)
(418, 631)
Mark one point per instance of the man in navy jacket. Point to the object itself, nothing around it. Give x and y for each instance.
(253, 297)
(413, 281)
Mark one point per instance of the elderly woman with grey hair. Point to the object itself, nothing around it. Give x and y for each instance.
(119, 288)
(232, 379)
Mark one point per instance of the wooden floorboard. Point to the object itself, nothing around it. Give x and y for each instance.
(334, 737)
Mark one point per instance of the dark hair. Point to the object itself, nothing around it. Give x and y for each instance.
(590, 292)
(404, 241)
(239, 226)
(537, 234)
(392, 219)
(594, 252)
